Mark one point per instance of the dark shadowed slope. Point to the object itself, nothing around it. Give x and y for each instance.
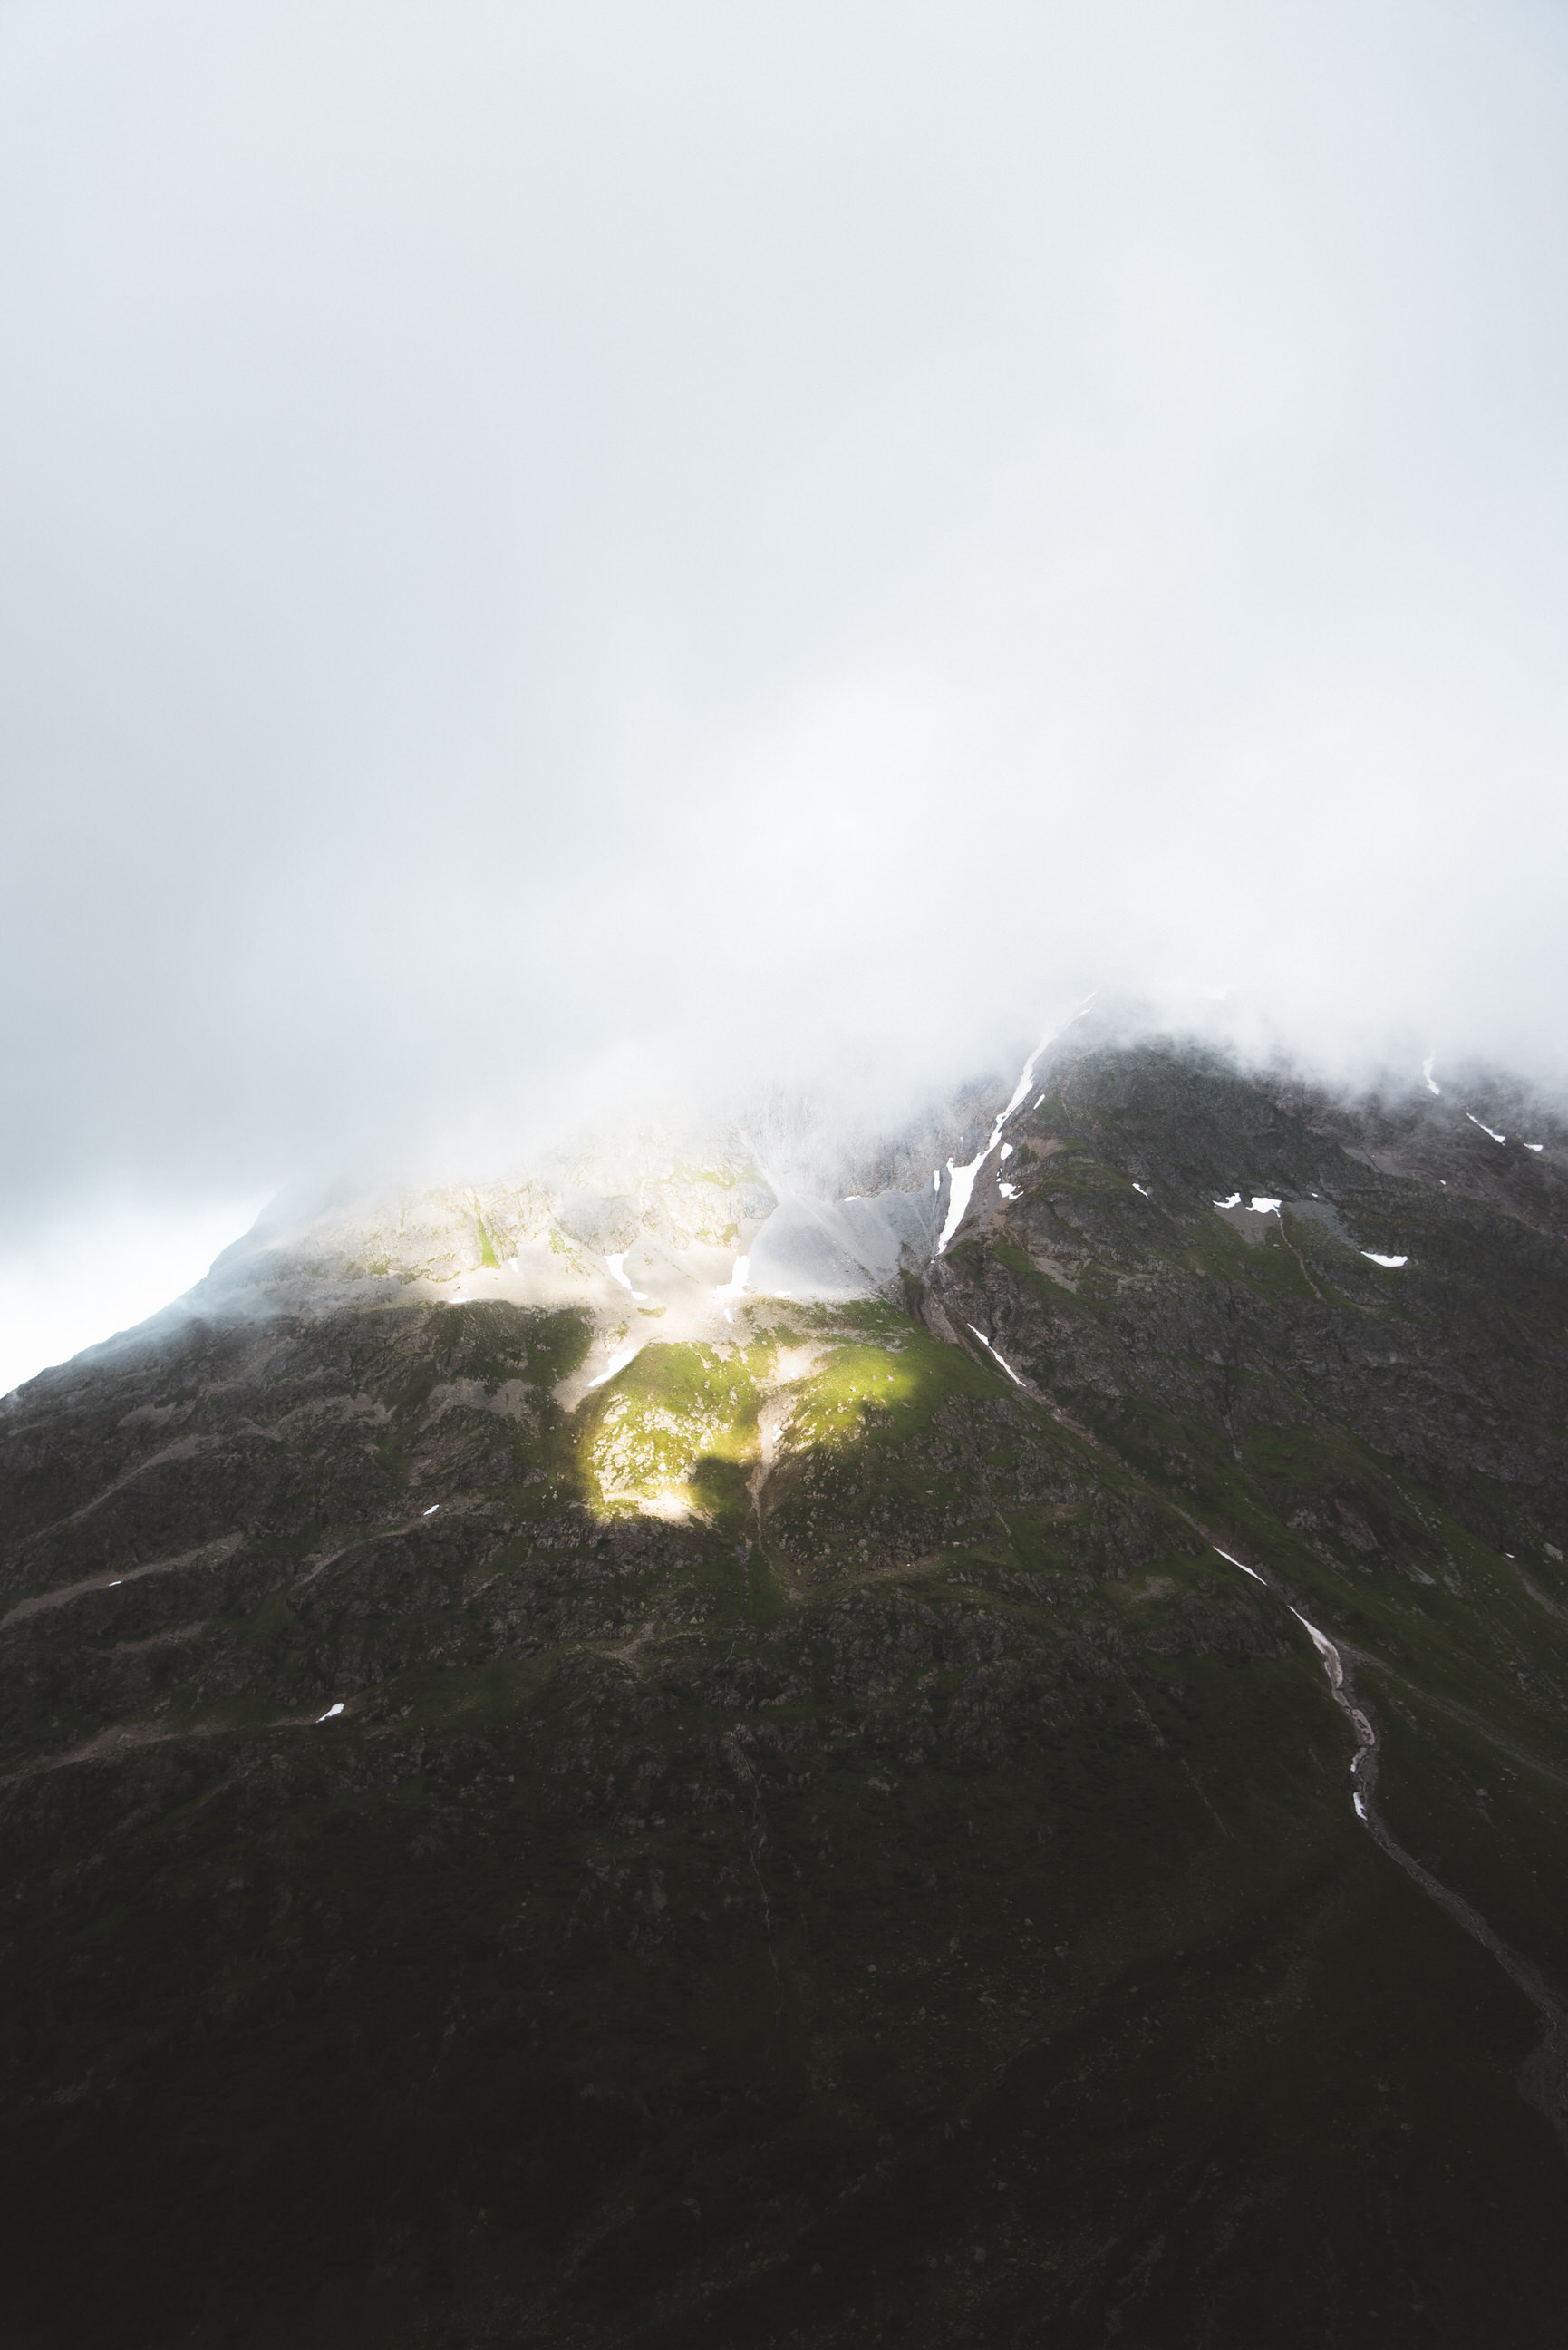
(818, 1845)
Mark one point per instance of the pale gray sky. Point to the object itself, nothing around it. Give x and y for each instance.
(547, 547)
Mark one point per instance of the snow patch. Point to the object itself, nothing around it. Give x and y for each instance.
(1391, 1263)
(736, 1284)
(618, 1271)
(1008, 1190)
(1432, 1085)
(963, 1178)
(1484, 1127)
(431, 1511)
(617, 1363)
(1324, 1648)
(331, 1712)
(958, 1197)
(735, 1288)
(1147, 1193)
(1236, 1562)
(1022, 1088)
(1234, 1201)
(1001, 1357)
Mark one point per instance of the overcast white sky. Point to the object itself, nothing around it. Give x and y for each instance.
(554, 547)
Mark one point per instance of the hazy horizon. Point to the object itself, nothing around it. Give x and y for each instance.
(556, 556)
(73, 1289)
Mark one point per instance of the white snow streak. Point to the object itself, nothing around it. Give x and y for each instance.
(958, 1197)
(1432, 1085)
(1484, 1127)
(331, 1712)
(431, 1511)
(735, 1287)
(1324, 1648)
(1391, 1264)
(1334, 1666)
(1022, 1088)
(1001, 1357)
(736, 1284)
(618, 1273)
(963, 1177)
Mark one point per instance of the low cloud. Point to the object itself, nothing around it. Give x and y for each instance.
(561, 556)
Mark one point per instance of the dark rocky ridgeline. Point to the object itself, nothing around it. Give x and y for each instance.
(907, 1890)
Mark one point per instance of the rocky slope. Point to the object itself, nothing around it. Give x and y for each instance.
(564, 1788)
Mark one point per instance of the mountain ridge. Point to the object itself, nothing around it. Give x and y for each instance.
(809, 1829)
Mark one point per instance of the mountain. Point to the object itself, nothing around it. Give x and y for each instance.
(639, 1757)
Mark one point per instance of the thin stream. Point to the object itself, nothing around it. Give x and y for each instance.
(1543, 2078)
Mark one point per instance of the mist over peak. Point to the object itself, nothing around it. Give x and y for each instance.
(784, 1333)
(560, 566)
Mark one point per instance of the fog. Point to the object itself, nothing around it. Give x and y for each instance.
(552, 554)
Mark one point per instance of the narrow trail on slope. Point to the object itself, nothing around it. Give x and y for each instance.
(1544, 2077)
